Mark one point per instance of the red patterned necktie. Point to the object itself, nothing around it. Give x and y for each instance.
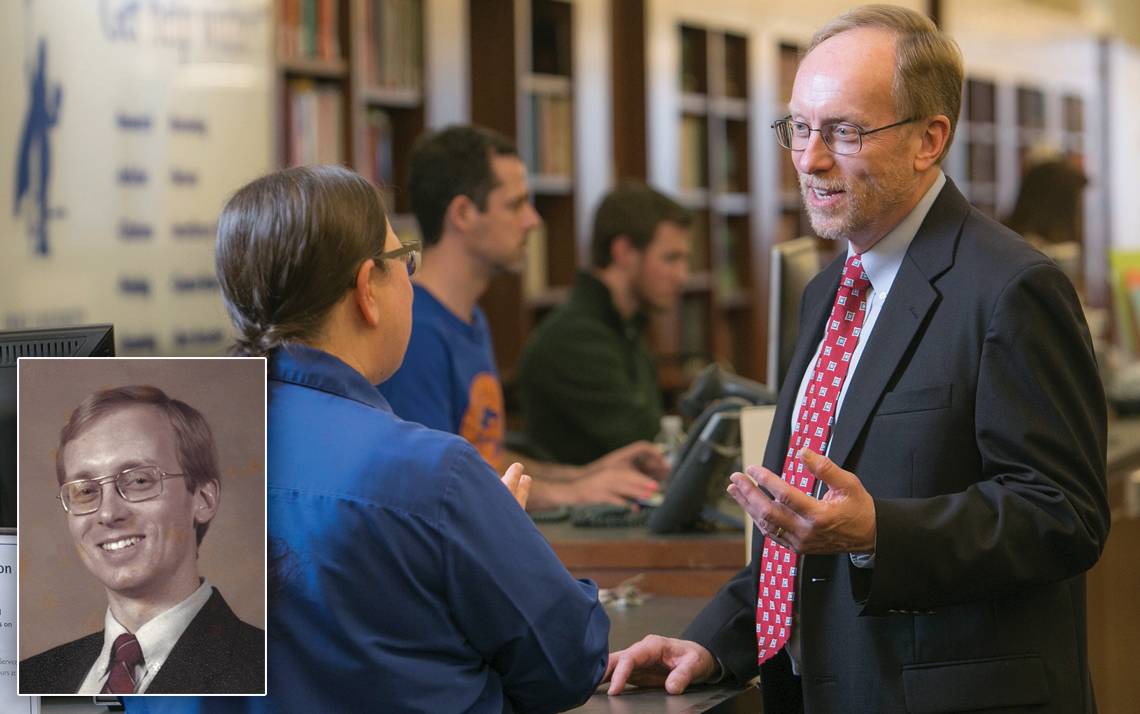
(126, 654)
(777, 582)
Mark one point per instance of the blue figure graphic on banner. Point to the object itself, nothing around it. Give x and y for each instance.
(33, 163)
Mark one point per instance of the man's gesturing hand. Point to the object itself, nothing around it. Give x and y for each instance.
(843, 521)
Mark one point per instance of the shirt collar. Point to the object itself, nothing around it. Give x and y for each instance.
(883, 260)
(158, 636)
(310, 367)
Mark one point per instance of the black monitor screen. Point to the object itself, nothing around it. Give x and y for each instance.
(794, 264)
(89, 341)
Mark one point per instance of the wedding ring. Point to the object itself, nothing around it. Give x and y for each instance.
(778, 532)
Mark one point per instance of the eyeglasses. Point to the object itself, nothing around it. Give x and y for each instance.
(840, 137)
(410, 252)
(85, 495)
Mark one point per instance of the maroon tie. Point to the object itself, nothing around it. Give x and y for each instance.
(777, 582)
(126, 654)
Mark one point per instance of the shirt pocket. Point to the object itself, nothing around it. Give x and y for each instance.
(920, 399)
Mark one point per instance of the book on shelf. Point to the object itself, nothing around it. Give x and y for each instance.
(789, 226)
(1030, 108)
(1072, 113)
(535, 277)
(307, 29)
(732, 179)
(316, 123)
(981, 100)
(551, 135)
(789, 177)
(694, 149)
(983, 162)
(378, 147)
(727, 278)
(735, 66)
(693, 60)
(699, 245)
(789, 63)
(393, 44)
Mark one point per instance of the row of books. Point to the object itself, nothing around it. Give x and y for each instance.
(307, 29)
(552, 136)
(393, 48)
(316, 123)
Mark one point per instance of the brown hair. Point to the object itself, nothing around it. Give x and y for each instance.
(633, 210)
(928, 63)
(197, 456)
(1049, 202)
(454, 161)
(288, 245)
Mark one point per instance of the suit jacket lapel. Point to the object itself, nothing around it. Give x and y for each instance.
(911, 298)
(189, 667)
(77, 665)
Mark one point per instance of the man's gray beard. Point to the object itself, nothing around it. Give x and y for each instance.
(815, 228)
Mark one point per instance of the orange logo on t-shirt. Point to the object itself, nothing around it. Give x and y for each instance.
(482, 424)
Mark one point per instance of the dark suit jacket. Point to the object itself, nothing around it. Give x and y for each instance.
(976, 420)
(217, 654)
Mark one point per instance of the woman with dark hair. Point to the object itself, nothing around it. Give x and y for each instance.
(1048, 213)
(405, 576)
(1048, 206)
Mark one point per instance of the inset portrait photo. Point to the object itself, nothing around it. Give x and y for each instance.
(141, 526)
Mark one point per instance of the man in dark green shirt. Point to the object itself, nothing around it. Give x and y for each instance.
(587, 380)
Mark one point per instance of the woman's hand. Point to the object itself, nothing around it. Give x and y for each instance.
(517, 483)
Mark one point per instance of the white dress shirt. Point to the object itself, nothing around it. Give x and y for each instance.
(156, 639)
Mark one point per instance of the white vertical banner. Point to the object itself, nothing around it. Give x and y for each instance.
(126, 125)
(10, 703)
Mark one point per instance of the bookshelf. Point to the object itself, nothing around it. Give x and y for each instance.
(793, 220)
(351, 79)
(1030, 124)
(978, 133)
(1007, 125)
(719, 316)
(1073, 129)
(1010, 122)
(524, 85)
(313, 81)
(388, 94)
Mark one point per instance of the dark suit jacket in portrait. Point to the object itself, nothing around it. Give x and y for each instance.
(976, 420)
(217, 654)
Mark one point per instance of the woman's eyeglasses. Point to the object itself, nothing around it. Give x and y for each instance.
(409, 252)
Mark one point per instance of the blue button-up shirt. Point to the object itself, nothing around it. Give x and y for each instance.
(403, 575)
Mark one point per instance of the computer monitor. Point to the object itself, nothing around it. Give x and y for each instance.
(794, 264)
(89, 341)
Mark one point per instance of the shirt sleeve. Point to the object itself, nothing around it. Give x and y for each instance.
(422, 390)
(544, 632)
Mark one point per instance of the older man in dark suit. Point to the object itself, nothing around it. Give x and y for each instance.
(140, 483)
(943, 399)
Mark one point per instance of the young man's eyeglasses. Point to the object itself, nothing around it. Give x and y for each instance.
(85, 495)
(840, 137)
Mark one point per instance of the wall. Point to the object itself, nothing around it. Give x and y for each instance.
(127, 126)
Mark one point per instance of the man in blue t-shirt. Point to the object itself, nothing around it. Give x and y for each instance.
(470, 195)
